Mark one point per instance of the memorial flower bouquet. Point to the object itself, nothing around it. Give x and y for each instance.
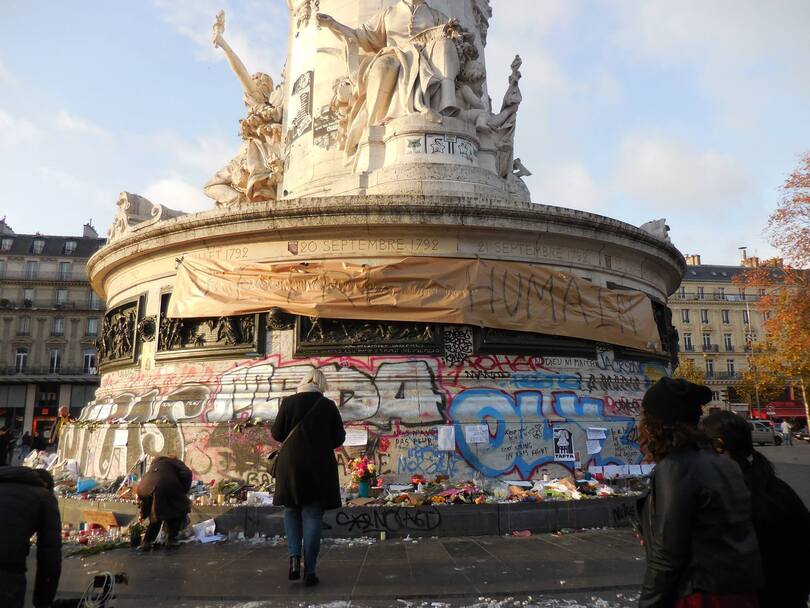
(363, 470)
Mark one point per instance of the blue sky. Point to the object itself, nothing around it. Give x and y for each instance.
(692, 110)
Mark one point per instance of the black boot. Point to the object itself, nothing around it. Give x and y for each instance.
(310, 580)
(295, 567)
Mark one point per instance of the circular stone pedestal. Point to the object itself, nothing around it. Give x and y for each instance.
(205, 389)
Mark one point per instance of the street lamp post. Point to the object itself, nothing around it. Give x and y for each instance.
(750, 339)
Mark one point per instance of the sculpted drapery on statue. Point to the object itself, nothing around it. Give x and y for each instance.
(255, 172)
(402, 61)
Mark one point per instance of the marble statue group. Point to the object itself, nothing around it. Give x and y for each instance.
(407, 59)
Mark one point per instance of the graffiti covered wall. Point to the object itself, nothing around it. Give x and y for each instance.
(392, 406)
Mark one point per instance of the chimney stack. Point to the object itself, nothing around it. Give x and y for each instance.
(88, 231)
(4, 227)
(692, 259)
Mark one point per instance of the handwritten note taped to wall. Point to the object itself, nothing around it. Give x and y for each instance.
(484, 293)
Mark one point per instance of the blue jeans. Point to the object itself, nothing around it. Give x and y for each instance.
(303, 524)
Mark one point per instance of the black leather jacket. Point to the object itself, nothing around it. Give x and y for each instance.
(696, 524)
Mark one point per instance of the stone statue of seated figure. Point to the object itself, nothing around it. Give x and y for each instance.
(409, 64)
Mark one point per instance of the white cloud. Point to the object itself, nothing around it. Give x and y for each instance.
(665, 173)
(567, 184)
(205, 153)
(16, 130)
(246, 30)
(743, 51)
(67, 122)
(177, 194)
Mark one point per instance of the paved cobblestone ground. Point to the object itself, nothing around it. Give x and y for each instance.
(593, 569)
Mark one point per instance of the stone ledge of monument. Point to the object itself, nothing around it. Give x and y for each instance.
(396, 522)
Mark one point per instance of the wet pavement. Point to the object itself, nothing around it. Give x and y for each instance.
(591, 568)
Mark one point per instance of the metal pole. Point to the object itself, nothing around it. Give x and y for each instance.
(753, 361)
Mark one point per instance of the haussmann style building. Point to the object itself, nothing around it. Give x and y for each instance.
(49, 322)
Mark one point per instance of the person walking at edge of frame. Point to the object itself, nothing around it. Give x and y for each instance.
(307, 482)
(695, 522)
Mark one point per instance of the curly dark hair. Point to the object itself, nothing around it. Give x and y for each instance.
(657, 438)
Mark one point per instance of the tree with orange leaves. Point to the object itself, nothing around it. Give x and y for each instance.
(782, 357)
(789, 225)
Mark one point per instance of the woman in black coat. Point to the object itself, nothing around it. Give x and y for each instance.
(781, 520)
(696, 521)
(163, 498)
(306, 469)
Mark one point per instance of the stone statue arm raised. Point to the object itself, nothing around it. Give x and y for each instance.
(370, 36)
(249, 86)
(336, 27)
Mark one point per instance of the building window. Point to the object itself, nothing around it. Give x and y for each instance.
(61, 296)
(730, 366)
(21, 359)
(704, 315)
(37, 246)
(727, 342)
(70, 247)
(687, 342)
(726, 316)
(54, 360)
(64, 270)
(715, 395)
(92, 327)
(58, 327)
(95, 301)
(90, 362)
(6, 243)
(720, 293)
(685, 315)
(2, 268)
(700, 293)
(746, 318)
(31, 269)
(28, 297)
(707, 341)
(24, 326)
(682, 293)
(761, 293)
(709, 368)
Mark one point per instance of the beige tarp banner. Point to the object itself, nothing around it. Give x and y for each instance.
(486, 293)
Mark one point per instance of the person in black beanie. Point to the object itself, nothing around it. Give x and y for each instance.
(696, 520)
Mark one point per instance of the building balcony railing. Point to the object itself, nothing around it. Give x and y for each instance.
(711, 348)
(48, 371)
(53, 304)
(724, 376)
(41, 275)
(729, 297)
(689, 348)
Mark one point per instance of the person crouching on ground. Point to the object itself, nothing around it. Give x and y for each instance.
(28, 506)
(310, 427)
(163, 500)
(696, 520)
(781, 520)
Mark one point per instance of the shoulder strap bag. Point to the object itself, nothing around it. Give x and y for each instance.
(272, 457)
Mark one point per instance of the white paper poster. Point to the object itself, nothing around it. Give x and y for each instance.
(594, 446)
(476, 433)
(121, 437)
(447, 438)
(356, 437)
(596, 433)
(563, 446)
